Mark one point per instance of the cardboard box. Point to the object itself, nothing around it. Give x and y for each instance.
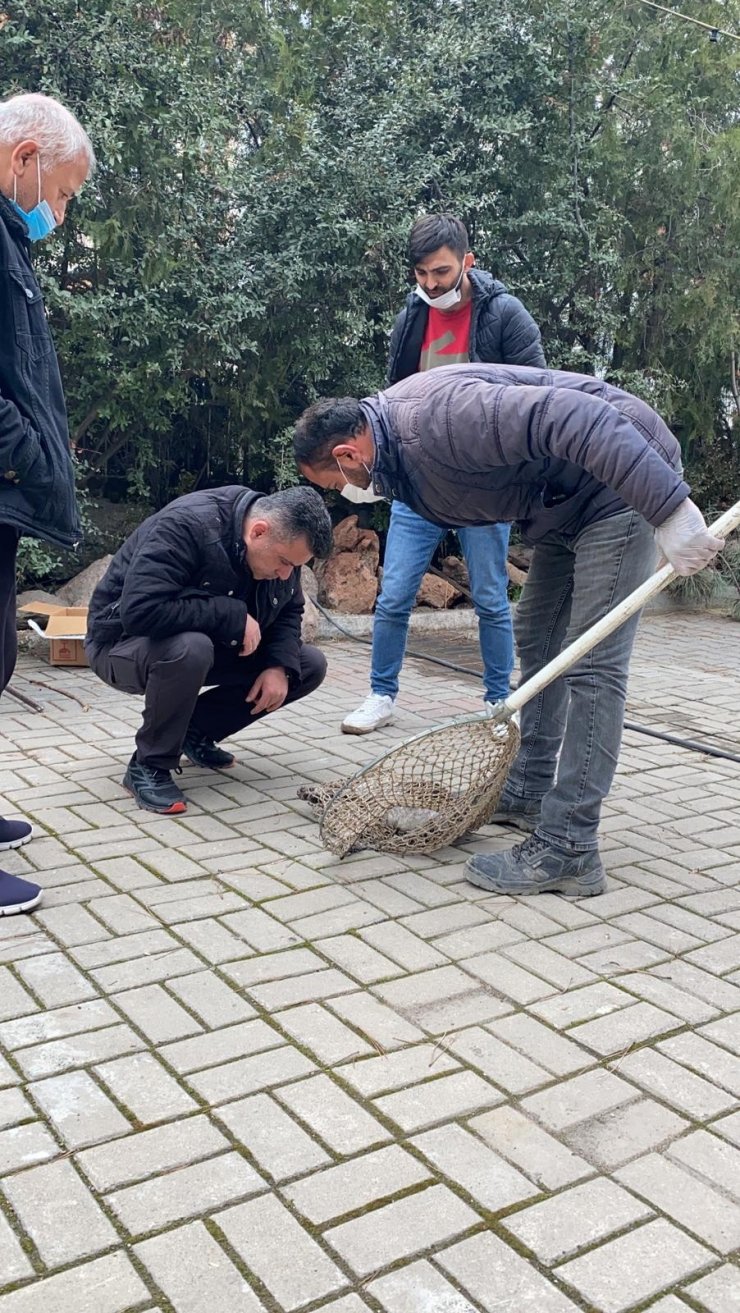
(65, 630)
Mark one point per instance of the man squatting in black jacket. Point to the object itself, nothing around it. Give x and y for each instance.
(593, 477)
(207, 591)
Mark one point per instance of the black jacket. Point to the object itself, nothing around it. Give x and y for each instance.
(476, 444)
(37, 488)
(185, 569)
(502, 331)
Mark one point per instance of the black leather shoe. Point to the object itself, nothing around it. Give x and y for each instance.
(204, 752)
(154, 789)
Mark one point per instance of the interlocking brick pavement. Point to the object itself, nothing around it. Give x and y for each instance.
(238, 1074)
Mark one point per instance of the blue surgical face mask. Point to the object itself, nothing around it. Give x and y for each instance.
(40, 220)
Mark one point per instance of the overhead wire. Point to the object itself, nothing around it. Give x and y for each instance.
(714, 31)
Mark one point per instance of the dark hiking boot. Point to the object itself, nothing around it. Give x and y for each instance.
(537, 867)
(524, 813)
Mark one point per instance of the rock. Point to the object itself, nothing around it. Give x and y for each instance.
(348, 537)
(309, 583)
(517, 577)
(310, 622)
(456, 571)
(516, 568)
(78, 591)
(347, 583)
(33, 595)
(521, 556)
(437, 593)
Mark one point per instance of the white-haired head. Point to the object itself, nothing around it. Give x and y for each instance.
(43, 120)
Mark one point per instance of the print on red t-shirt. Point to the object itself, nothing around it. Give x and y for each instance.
(447, 337)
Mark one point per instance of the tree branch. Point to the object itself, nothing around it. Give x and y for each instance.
(733, 379)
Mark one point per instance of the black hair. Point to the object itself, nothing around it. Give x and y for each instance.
(297, 513)
(435, 230)
(323, 426)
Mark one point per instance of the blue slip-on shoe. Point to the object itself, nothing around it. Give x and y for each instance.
(537, 867)
(17, 895)
(13, 834)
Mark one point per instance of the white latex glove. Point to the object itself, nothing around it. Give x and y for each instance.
(684, 540)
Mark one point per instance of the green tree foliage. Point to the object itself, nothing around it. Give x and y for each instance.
(241, 248)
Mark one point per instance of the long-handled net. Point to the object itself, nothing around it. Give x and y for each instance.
(429, 791)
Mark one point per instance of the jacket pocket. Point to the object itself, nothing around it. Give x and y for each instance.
(106, 627)
(125, 673)
(31, 329)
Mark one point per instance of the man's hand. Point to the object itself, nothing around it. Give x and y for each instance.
(685, 541)
(252, 637)
(269, 690)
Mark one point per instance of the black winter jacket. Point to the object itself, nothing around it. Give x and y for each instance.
(37, 487)
(476, 444)
(502, 331)
(185, 569)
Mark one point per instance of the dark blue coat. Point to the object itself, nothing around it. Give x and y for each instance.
(502, 331)
(37, 486)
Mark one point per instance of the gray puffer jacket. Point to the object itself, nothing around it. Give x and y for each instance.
(477, 444)
(502, 331)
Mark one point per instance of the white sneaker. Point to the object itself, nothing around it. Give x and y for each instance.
(375, 712)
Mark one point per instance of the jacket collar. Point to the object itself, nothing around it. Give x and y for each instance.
(387, 471)
(483, 285)
(238, 552)
(242, 505)
(13, 222)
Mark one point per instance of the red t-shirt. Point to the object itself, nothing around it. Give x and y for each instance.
(447, 337)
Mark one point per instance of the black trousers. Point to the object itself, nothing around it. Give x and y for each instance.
(170, 672)
(9, 538)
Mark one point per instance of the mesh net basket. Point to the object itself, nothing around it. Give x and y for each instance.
(423, 794)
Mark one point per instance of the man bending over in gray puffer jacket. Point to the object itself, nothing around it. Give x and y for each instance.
(593, 477)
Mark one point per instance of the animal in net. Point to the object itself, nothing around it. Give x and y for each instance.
(423, 794)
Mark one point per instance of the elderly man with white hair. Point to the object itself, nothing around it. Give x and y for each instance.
(45, 157)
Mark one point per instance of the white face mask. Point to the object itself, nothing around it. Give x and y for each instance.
(447, 300)
(360, 495)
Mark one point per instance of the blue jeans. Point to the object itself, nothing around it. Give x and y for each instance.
(409, 548)
(571, 733)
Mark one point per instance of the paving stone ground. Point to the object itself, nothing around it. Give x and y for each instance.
(238, 1075)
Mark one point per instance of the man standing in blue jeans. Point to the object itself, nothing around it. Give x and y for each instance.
(456, 314)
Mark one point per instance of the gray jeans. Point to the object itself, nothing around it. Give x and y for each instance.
(571, 733)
